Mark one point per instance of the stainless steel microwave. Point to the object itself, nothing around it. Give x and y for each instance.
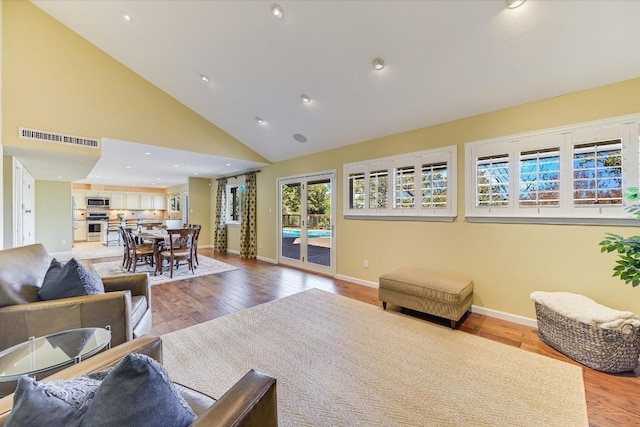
(102, 202)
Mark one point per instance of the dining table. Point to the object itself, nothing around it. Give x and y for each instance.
(157, 237)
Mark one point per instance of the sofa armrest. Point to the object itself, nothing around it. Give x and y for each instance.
(149, 345)
(137, 283)
(20, 322)
(250, 402)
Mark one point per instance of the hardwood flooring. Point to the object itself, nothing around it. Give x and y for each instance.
(612, 400)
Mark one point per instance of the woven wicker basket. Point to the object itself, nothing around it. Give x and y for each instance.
(607, 350)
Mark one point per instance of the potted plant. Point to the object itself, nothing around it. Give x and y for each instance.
(628, 249)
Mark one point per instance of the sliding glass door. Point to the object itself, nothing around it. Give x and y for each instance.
(306, 227)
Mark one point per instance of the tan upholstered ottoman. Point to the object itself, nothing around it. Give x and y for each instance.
(440, 294)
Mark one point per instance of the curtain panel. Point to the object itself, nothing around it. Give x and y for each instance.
(248, 228)
(220, 244)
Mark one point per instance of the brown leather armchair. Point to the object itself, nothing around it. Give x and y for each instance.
(252, 401)
(125, 306)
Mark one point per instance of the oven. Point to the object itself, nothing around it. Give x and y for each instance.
(94, 230)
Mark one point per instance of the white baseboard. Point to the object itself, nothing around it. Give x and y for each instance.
(233, 251)
(356, 280)
(474, 308)
(505, 316)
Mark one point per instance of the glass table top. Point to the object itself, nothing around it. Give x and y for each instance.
(51, 351)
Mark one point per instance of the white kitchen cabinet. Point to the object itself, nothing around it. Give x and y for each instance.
(160, 202)
(117, 201)
(132, 200)
(80, 231)
(80, 199)
(146, 201)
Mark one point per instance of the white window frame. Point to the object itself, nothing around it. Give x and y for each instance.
(229, 219)
(446, 155)
(625, 128)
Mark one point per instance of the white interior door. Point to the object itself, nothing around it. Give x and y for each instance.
(24, 227)
(306, 232)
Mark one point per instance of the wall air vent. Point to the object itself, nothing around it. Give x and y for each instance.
(41, 135)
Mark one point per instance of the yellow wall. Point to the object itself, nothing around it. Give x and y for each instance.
(54, 224)
(55, 80)
(506, 261)
(200, 207)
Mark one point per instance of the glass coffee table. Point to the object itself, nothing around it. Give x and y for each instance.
(52, 352)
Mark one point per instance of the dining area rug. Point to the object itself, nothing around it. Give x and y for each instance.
(206, 267)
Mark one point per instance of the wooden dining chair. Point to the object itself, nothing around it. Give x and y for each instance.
(196, 234)
(138, 252)
(180, 248)
(127, 248)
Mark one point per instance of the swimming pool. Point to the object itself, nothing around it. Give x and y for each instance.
(286, 233)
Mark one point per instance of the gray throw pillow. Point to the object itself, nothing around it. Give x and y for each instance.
(138, 392)
(71, 280)
(54, 403)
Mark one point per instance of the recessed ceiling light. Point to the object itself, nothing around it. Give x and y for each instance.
(228, 164)
(146, 153)
(176, 166)
(512, 4)
(204, 78)
(157, 179)
(127, 17)
(260, 120)
(277, 11)
(299, 137)
(128, 167)
(378, 64)
(195, 173)
(305, 98)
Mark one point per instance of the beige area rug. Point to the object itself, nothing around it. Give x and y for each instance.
(341, 362)
(207, 266)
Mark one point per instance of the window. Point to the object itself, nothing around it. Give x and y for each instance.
(234, 203)
(540, 178)
(573, 174)
(597, 173)
(356, 190)
(414, 185)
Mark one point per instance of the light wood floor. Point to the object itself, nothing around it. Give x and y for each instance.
(612, 400)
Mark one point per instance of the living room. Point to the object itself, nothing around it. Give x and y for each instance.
(507, 261)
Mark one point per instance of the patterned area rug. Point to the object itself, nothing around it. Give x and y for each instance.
(341, 362)
(207, 266)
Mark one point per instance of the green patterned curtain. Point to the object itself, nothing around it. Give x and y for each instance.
(220, 244)
(248, 229)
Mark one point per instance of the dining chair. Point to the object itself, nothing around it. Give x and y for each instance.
(127, 247)
(196, 234)
(180, 248)
(138, 252)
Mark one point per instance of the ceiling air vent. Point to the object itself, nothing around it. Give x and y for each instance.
(41, 135)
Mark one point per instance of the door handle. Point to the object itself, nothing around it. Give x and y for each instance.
(27, 211)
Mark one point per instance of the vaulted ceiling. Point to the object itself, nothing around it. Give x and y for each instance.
(444, 60)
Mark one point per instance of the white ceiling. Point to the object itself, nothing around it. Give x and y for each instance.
(444, 60)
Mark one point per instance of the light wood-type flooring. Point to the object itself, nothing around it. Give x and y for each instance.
(612, 400)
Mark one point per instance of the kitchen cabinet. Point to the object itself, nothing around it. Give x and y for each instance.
(146, 201)
(132, 200)
(80, 199)
(160, 202)
(118, 201)
(94, 193)
(80, 231)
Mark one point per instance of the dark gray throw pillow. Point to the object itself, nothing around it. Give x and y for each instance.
(71, 280)
(138, 392)
(54, 403)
